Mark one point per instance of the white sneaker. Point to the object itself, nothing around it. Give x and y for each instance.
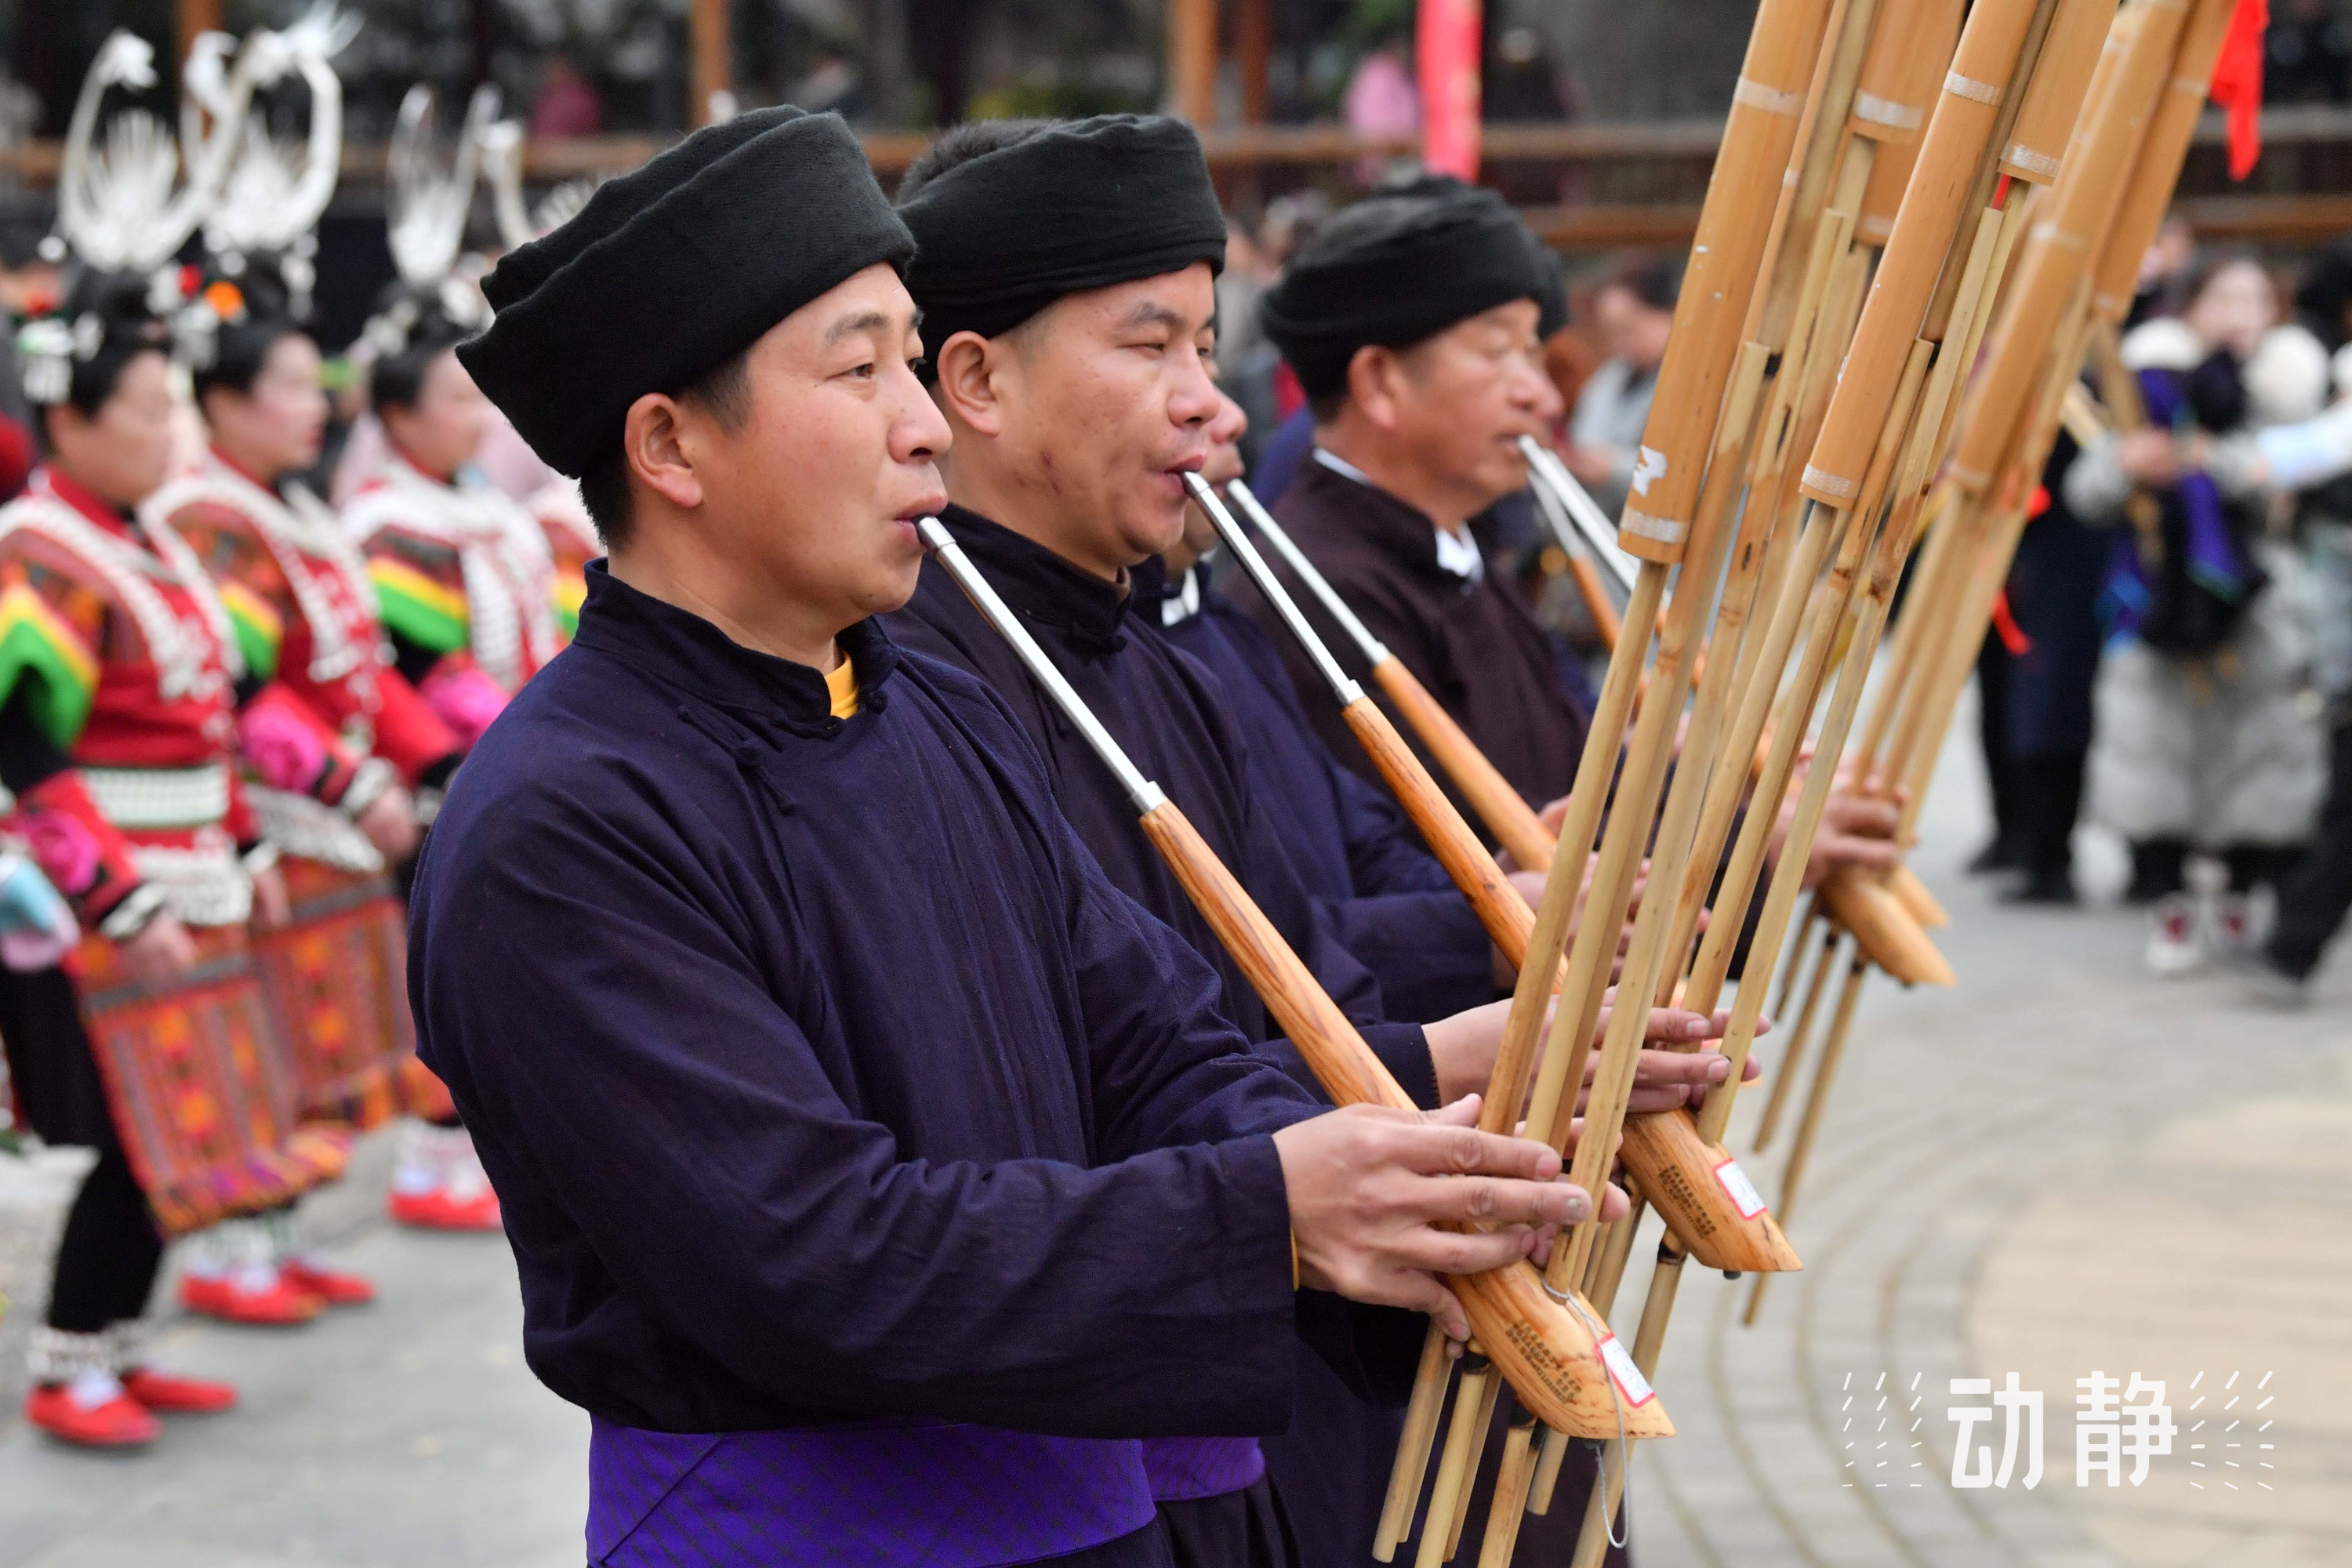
(2175, 945)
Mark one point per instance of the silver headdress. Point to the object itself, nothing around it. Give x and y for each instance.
(276, 191)
(426, 205)
(124, 205)
(519, 225)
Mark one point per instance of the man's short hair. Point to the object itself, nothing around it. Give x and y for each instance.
(725, 392)
(960, 144)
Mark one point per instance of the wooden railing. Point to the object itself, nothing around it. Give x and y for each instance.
(2298, 198)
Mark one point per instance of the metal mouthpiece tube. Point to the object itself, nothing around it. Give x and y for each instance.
(1576, 504)
(1317, 584)
(941, 543)
(1343, 686)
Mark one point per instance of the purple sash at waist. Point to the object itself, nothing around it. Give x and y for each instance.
(1184, 1469)
(906, 1495)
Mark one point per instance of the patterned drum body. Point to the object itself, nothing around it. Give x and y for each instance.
(202, 1091)
(336, 980)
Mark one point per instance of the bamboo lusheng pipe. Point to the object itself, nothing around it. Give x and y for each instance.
(2065, 238)
(1792, 1174)
(1917, 900)
(1678, 1164)
(1792, 1051)
(1466, 1439)
(1541, 1344)
(1639, 784)
(1574, 515)
(1990, 185)
(1421, 1413)
(1910, 46)
(1887, 932)
(1489, 1401)
(1499, 806)
(1630, 826)
(1912, 437)
(1578, 558)
(1726, 261)
(1696, 1188)
(1957, 133)
(1890, 172)
(1649, 1338)
(2156, 171)
(1511, 1483)
(2053, 100)
(1499, 906)
(1764, 655)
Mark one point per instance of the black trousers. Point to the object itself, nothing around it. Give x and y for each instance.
(1993, 665)
(107, 1257)
(2316, 894)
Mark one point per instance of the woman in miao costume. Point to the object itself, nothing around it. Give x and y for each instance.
(462, 576)
(118, 725)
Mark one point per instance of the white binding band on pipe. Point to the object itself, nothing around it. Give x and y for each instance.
(1887, 111)
(1985, 93)
(1770, 100)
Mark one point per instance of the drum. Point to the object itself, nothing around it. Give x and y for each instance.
(202, 1091)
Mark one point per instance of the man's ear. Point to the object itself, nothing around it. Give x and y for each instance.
(1373, 376)
(660, 450)
(967, 375)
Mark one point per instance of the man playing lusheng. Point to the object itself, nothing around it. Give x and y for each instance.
(1414, 323)
(877, 1171)
(1065, 274)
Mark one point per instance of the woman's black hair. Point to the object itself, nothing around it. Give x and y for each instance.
(114, 305)
(263, 317)
(411, 329)
(2208, 264)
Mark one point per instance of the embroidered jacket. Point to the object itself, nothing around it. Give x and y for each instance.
(466, 586)
(332, 721)
(117, 695)
(572, 542)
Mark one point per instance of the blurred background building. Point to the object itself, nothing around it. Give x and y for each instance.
(1598, 116)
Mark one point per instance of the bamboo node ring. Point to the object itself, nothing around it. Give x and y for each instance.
(1828, 483)
(1770, 100)
(1665, 530)
(1887, 111)
(2033, 163)
(1984, 92)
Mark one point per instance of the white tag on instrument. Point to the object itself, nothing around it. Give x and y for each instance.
(1622, 1369)
(1743, 1194)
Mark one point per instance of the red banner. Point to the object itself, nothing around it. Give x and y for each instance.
(1445, 45)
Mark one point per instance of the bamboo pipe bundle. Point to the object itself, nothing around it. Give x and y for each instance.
(2069, 236)
(1506, 814)
(1910, 46)
(1969, 295)
(2054, 100)
(2156, 169)
(1725, 260)
(1957, 132)
(1540, 1344)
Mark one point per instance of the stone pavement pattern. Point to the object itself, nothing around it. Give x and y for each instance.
(2060, 1167)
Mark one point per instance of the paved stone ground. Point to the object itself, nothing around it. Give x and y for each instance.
(2062, 1167)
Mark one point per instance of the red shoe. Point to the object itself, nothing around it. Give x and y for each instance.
(281, 1303)
(170, 1396)
(444, 1210)
(117, 1421)
(332, 1286)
